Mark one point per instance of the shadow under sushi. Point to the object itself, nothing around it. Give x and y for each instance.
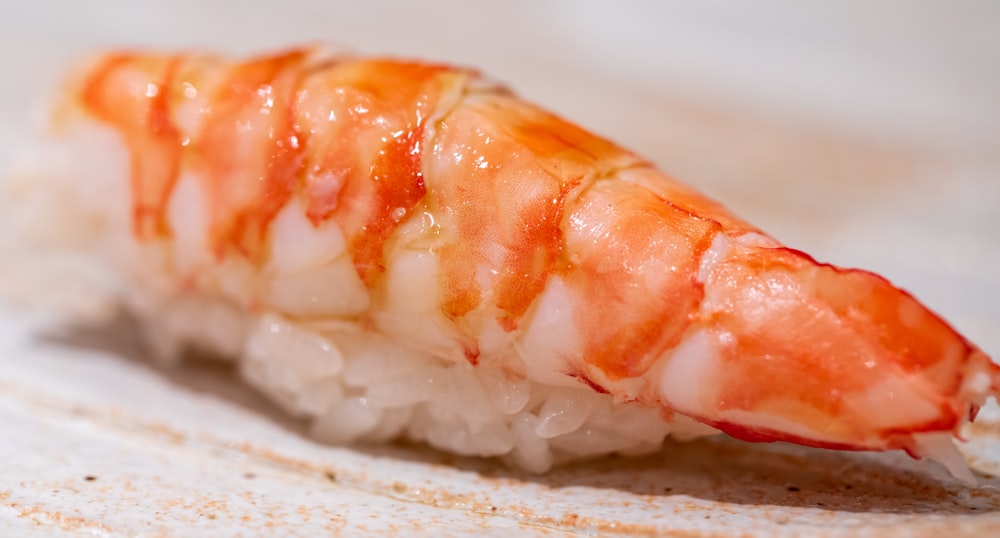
(722, 470)
(716, 470)
(120, 337)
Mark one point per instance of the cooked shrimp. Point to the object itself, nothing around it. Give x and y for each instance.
(340, 196)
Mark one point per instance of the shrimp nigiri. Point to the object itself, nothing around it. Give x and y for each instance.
(396, 248)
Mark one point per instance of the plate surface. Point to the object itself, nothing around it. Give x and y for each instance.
(865, 137)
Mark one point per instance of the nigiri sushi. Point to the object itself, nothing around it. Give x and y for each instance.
(394, 248)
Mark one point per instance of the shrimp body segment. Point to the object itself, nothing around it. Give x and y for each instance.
(420, 202)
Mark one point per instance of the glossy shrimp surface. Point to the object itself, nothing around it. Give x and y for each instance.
(420, 202)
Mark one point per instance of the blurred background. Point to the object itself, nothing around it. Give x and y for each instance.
(866, 133)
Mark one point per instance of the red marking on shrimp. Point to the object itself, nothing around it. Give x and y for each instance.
(590, 383)
(399, 186)
(636, 261)
(365, 123)
(505, 171)
(887, 440)
(754, 434)
(131, 92)
(507, 323)
(471, 350)
(249, 153)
